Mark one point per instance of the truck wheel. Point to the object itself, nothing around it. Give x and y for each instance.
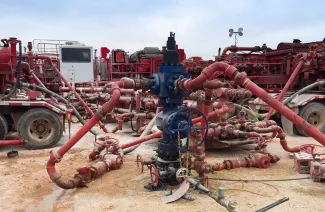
(41, 128)
(3, 127)
(314, 114)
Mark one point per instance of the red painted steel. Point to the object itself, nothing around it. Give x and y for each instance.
(241, 79)
(17, 142)
(289, 82)
(56, 156)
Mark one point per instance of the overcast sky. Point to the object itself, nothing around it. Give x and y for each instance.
(201, 27)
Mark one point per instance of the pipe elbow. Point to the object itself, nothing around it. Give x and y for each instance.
(56, 177)
(93, 155)
(285, 146)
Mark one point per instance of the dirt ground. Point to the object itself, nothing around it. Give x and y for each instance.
(25, 185)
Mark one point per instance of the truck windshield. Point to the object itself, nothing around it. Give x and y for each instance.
(75, 55)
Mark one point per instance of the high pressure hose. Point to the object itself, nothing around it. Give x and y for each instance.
(14, 89)
(145, 132)
(311, 86)
(252, 113)
(77, 114)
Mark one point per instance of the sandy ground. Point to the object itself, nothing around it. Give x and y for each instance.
(25, 185)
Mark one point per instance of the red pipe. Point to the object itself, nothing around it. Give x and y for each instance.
(141, 140)
(77, 95)
(94, 90)
(214, 84)
(226, 108)
(70, 87)
(241, 79)
(271, 126)
(121, 118)
(12, 142)
(237, 48)
(256, 160)
(56, 156)
(90, 83)
(121, 110)
(278, 132)
(125, 99)
(137, 102)
(285, 111)
(290, 81)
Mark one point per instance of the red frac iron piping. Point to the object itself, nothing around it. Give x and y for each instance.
(227, 108)
(70, 87)
(303, 57)
(241, 79)
(56, 156)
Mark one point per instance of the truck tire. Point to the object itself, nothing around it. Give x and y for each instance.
(314, 114)
(41, 128)
(3, 127)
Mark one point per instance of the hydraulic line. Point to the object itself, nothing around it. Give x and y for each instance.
(247, 110)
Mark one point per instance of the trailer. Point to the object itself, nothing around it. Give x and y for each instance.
(37, 119)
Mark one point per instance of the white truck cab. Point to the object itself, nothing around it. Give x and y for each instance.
(76, 62)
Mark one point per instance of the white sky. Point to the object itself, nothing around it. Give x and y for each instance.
(201, 27)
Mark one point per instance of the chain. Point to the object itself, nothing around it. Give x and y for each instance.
(179, 147)
(179, 151)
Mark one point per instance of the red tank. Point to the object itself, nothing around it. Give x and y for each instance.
(5, 61)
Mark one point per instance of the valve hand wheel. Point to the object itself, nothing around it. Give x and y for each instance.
(186, 127)
(311, 149)
(106, 141)
(154, 175)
